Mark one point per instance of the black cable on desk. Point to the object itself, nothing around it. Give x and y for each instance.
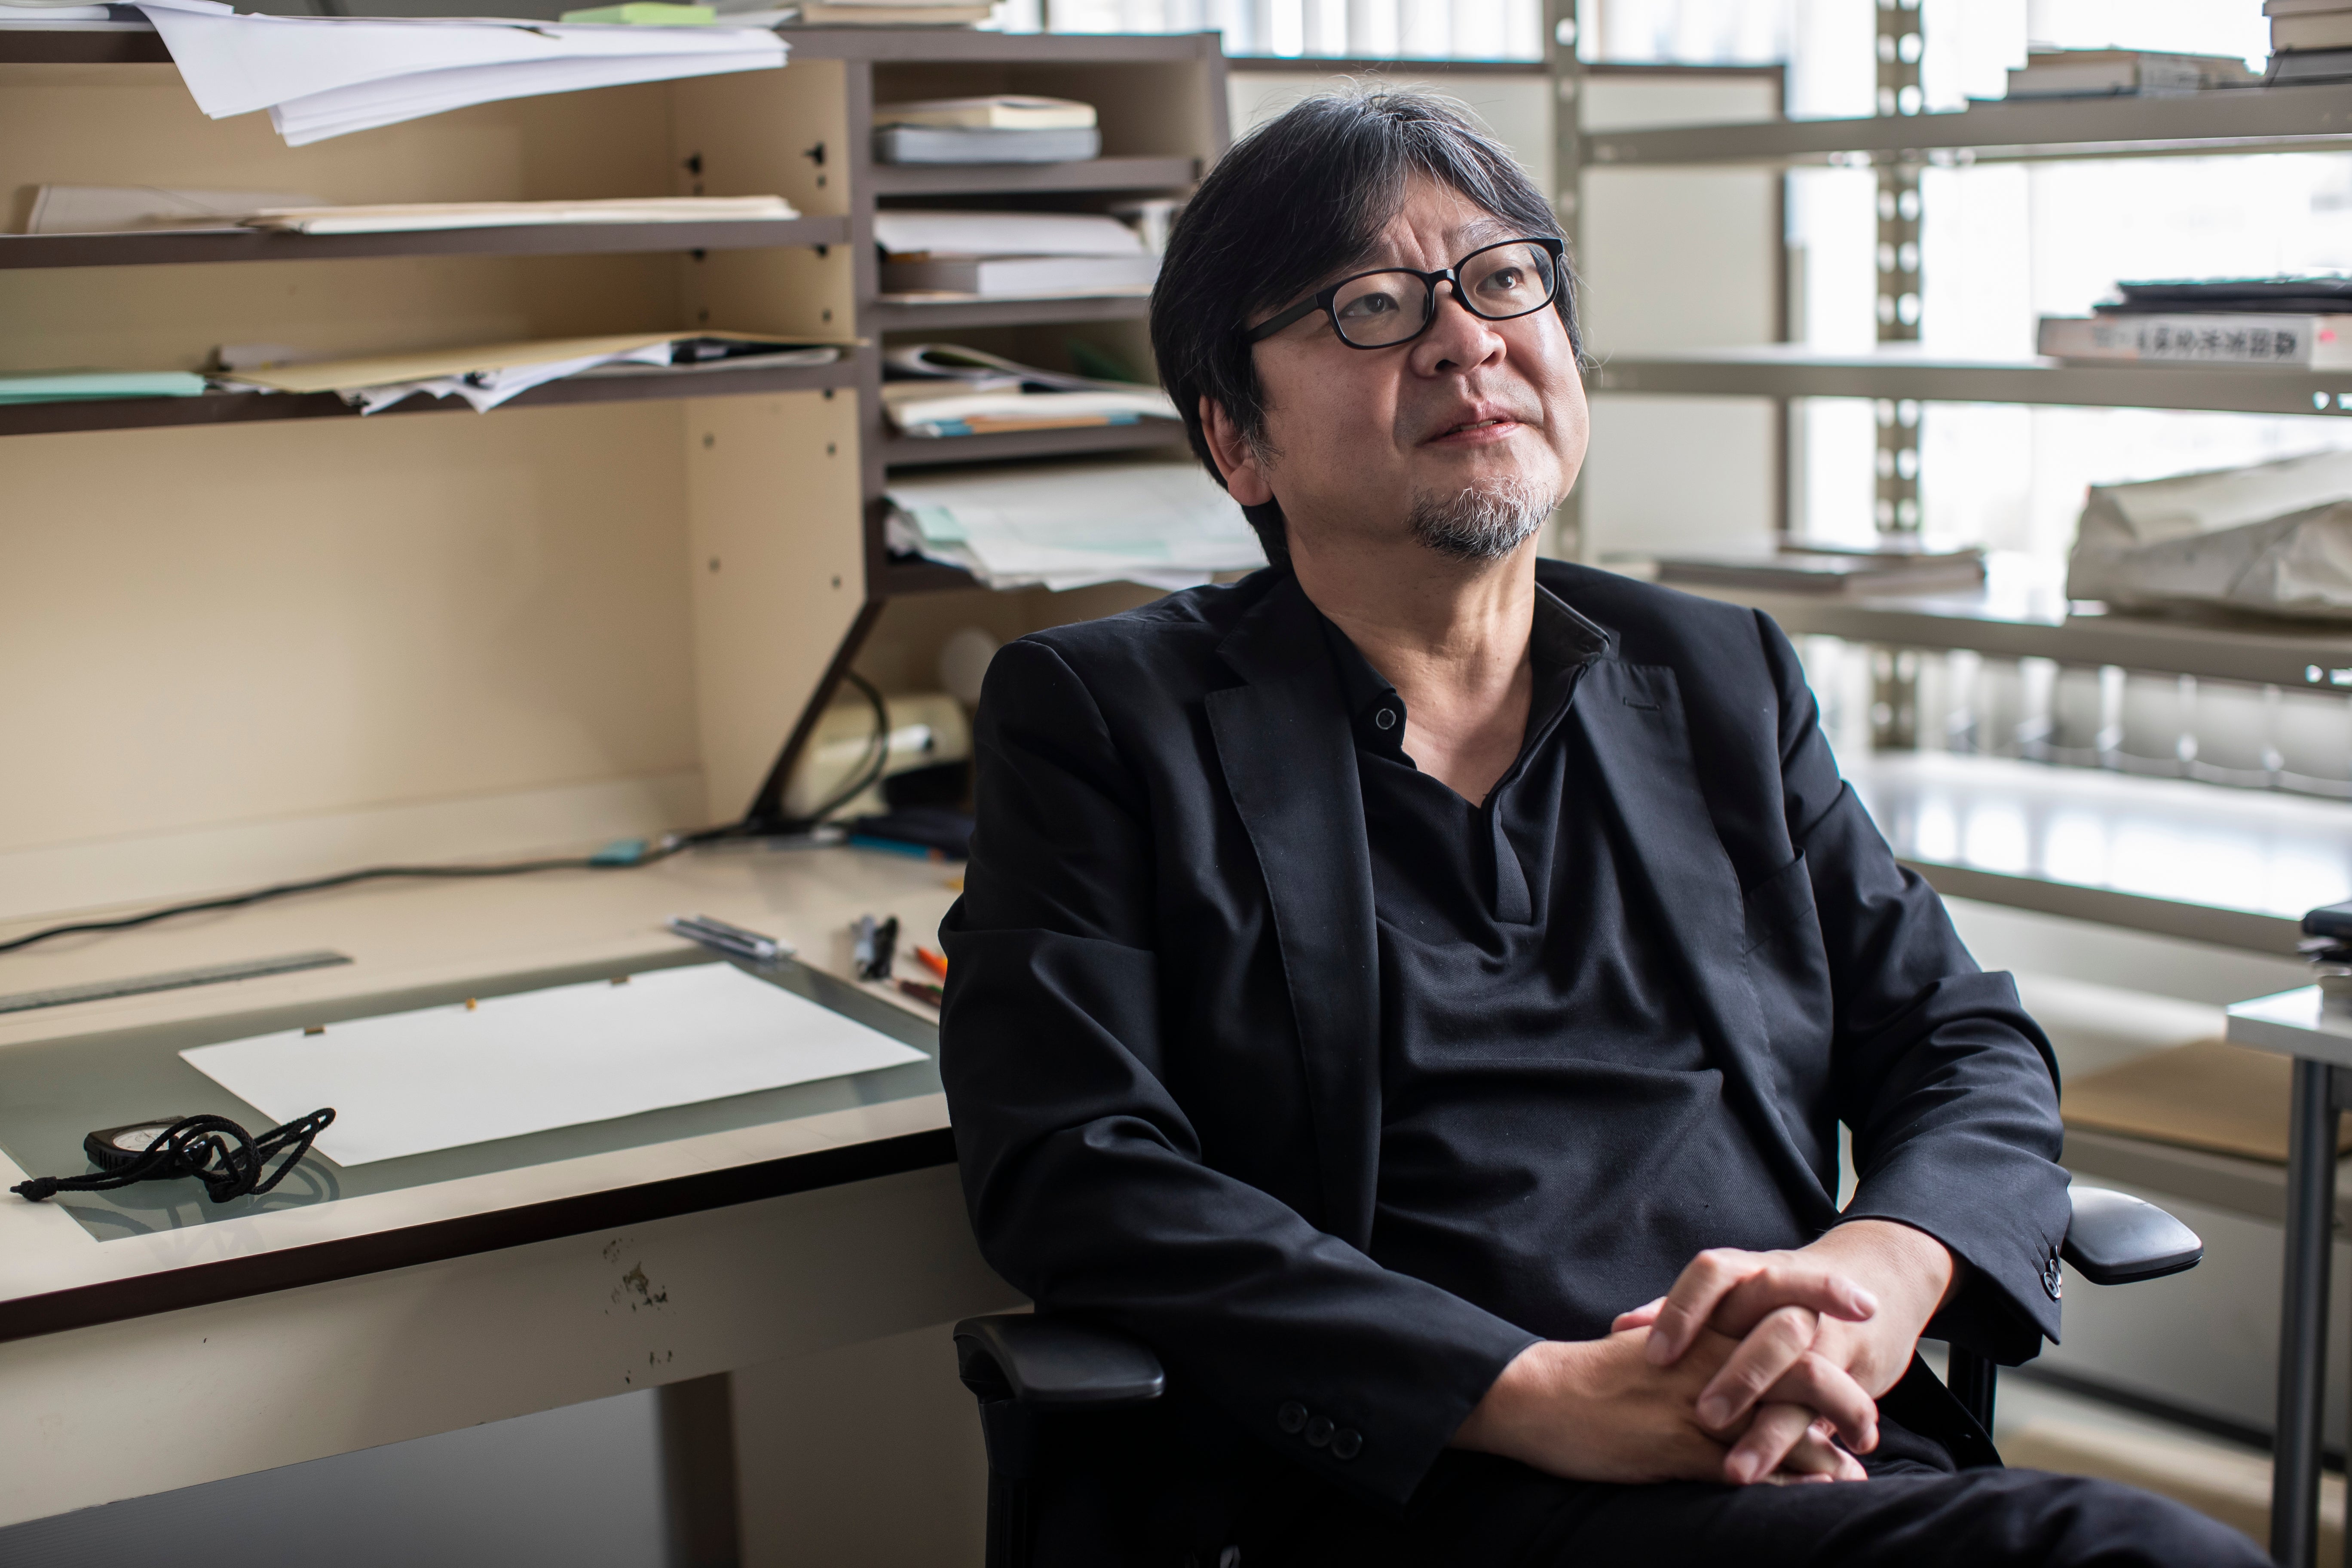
(663, 851)
(872, 768)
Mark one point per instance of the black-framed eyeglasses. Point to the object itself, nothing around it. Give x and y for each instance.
(1394, 305)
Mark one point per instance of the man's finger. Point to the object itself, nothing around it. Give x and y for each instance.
(1831, 1390)
(1792, 1282)
(1730, 1291)
(1817, 1458)
(1777, 1429)
(1640, 1317)
(1701, 1287)
(1764, 1357)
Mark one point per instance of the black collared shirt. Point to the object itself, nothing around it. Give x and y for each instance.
(1555, 1141)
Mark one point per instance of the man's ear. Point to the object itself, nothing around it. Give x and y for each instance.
(1244, 480)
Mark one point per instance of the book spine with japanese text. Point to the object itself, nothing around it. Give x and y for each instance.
(2309, 342)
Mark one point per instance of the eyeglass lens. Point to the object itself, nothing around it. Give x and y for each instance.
(1498, 282)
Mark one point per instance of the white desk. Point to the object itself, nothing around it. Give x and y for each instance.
(2319, 1038)
(294, 1333)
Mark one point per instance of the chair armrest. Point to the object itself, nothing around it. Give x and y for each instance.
(2117, 1239)
(1054, 1361)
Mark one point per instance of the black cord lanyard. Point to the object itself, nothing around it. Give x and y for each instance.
(216, 1150)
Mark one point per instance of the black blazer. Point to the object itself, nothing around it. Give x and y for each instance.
(1160, 1040)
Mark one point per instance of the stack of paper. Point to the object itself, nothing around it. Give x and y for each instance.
(488, 374)
(2311, 40)
(1006, 255)
(2123, 73)
(1165, 525)
(408, 216)
(132, 209)
(947, 390)
(1005, 128)
(328, 76)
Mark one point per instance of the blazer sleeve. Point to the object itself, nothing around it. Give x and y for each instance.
(1083, 1174)
(1948, 1087)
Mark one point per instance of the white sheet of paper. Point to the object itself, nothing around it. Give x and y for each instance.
(408, 1083)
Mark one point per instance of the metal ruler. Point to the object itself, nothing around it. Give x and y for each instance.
(171, 980)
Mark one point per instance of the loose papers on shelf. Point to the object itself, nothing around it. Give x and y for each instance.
(1166, 525)
(487, 375)
(945, 390)
(133, 209)
(441, 1077)
(327, 76)
(410, 216)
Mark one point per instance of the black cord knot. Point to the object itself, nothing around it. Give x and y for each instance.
(230, 1162)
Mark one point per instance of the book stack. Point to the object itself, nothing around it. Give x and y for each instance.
(2124, 73)
(946, 256)
(1005, 128)
(1800, 566)
(2311, 40)
(2302, 324)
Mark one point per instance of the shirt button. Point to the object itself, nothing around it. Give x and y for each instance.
(1320, 1431)
(1385, 718)
(1346, 1443)
(1291, 1417)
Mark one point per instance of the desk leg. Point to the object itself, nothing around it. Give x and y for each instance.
(2303, 1329)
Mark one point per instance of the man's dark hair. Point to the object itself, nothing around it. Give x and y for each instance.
(1293, 204)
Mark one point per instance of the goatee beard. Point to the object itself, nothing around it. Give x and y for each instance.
(1481, 522)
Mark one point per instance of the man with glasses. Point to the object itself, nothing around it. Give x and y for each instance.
(1416, 989)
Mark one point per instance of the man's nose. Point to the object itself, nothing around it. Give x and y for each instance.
(1457, 338)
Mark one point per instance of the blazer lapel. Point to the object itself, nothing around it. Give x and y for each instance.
(1290, 761)
(1634, 717)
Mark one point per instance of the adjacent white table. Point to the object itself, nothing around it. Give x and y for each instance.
(2316, 1031)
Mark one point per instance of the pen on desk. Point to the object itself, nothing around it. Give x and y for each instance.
(935, 961)
(921, 991)
(874, 945)
(755, 947)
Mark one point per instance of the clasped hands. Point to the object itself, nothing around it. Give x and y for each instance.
(1756, 1367)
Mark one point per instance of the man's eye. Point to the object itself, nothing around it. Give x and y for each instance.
(1369, 305)
(1505, 279)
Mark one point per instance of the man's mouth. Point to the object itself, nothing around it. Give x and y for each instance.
(1495, 423)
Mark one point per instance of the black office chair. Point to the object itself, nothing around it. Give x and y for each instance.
(1029, 1371)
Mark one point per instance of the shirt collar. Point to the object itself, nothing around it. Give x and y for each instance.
(1561, 641)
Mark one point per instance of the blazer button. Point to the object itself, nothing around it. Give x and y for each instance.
(1318, 1431)
(1291, 1417)
(1346, 1443)
(2053, 1280)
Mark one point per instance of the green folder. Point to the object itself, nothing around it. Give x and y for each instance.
(80, 385)
(647, 13)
